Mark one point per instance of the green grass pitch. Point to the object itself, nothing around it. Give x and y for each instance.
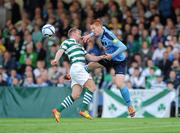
(80, 125)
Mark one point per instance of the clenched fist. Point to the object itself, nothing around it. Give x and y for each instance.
(54, 62)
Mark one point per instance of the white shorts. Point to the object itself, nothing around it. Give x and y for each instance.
(78, 74)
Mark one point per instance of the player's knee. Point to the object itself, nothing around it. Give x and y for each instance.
(75, 96)
(90, 85)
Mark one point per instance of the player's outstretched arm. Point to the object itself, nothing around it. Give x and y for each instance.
(94, 58)
(59, 53)
(87, 37)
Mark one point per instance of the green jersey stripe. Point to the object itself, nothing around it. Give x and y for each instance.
(70, 40)
(78, 58)
(78, 55)
(75, 50)
(64, 46)
(82, 61)
(75, 53)
(73, 47)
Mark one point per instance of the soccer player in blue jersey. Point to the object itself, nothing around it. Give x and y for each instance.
(115, 58)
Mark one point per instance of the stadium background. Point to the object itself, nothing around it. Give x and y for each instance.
(149, 28)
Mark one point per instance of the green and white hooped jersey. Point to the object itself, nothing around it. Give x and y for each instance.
(75, 51)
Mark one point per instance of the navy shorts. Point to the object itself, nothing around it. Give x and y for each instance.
(119, 66)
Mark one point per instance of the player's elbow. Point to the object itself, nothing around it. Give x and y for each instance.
(124, 48)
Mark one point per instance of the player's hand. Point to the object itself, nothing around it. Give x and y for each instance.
(67, 77)
(103, 48)
(54, 62)
(86, 38)
(102, 57)
(108, 56)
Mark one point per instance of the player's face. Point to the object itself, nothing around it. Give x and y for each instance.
(96, 29)
(78, 35)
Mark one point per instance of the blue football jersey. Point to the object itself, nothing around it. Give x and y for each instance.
(111, 43)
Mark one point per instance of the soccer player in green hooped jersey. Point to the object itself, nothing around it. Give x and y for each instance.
(81, 79)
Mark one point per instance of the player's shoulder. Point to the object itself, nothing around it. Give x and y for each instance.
(109, 34)
(67, 42)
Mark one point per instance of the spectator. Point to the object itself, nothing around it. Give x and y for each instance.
(159, 83)
(114, 10)
(150, 66)
(14, 78)
(29, 57)
(15, 82)
(165, 64)
(133, 46)
(3, 73)
(158, 53)
(40, 68)
(16, 47)
(158, 38)
(51, 50)
(129, 85)
(9, 63)
(62, 82)
(138, 81)
(2, 82)
(37, 35)
(145, 53)
(151, 78)
(2, 50)
(165, 9)
(100, 9)
(54, 73)
(29, 82)
(175, 66)
(40, 82)
(15, 12)
(145, 38)
(3, 14)
(28, 72)
(41, 52)
(134, 65)
(45, 78)
(173, 79)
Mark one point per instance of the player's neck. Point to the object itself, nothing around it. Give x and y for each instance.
(71, 38)
(101, 31)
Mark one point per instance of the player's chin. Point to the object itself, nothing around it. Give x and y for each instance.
(97, 34)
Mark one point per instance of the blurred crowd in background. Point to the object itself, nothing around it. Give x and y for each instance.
(149, 28)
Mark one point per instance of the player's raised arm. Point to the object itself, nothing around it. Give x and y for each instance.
(87, 37)
(59, 53)
(94, 58)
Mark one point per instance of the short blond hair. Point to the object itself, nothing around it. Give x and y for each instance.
(72, 30)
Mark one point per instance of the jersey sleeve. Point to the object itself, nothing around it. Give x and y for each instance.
(111, 37)
(115, 41)
(64, 46)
